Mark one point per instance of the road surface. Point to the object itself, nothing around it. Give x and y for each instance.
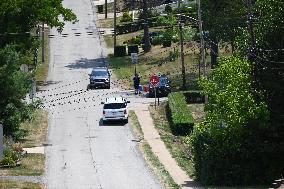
(80, 151)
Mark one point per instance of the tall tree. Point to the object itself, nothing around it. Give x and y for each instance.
(17, 19)
(14, 86)
(20, 16)
(146, 6)
(222, 19)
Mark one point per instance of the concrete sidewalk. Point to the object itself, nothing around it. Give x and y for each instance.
(159, 149)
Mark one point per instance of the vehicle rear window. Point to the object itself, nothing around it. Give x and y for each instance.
(115, 106)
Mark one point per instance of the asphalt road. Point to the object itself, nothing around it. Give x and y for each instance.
(81, 152)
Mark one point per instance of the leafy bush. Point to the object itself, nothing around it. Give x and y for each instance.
(126, 17)
(180, 116)
(135, 40)
(135, 26)
(18, 147)
(157, 40)
(8, 150)
(132, 49)
(7, 161)
(232, 145)
(187, 10)
(168, 9)
(120, 51)
(167, 43)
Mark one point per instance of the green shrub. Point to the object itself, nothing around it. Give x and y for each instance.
(120, 51)
(7, 161)
(126, 17)
(135, 40)
(234, 145)
(180, 116)
(167, 43)
(9, 152)
(100, 8)
(168, 9)
(133, 49)
(157, 40)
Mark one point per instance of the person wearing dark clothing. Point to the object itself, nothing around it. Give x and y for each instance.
(136, 80)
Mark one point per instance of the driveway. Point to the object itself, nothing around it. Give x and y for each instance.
(80, 151)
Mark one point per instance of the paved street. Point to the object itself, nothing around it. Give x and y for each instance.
(81, 152)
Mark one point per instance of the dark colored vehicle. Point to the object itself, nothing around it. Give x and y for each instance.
(167, 1)
(162, 88)
(100, 77)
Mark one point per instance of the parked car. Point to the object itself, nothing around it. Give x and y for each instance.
(163, 87)
(99, 77)
(115, 108)
(167, 1)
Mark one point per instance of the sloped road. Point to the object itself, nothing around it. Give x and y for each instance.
(81, 152)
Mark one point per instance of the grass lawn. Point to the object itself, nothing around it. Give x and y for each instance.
(5, 184)
(37, 129)
(42, 68)
(109, 40)
(197, 111)
(150, 157)
(148, 65)
(105, 23)
(156, 61)
(32, 165)
(175, 144)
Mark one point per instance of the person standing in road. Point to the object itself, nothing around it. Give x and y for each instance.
(136, 80)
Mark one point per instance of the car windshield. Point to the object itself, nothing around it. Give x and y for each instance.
(99, 73)
(115, 106)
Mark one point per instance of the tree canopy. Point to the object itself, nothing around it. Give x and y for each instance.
(18, 20)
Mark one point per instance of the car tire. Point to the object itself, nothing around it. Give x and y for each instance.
(126, 121)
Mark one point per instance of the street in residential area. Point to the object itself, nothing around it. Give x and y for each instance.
(81, 152)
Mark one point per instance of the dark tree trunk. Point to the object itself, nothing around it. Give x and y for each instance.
(214, 52)
(147, 44)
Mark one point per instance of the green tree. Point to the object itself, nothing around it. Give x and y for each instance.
(13, 89)
(228, 147)
(24, 15)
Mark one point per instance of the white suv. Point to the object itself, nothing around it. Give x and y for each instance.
(115, 108)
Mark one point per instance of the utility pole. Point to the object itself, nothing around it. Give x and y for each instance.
(42, 43)
(1, 142)
(202, 50)
(181, 48)
(105, 9)
(114, 24)
(36, 49)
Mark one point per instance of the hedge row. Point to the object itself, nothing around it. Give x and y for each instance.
(180, 116)
(120, 51)
(136, 26)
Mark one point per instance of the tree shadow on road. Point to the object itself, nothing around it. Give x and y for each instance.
(85, 63)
